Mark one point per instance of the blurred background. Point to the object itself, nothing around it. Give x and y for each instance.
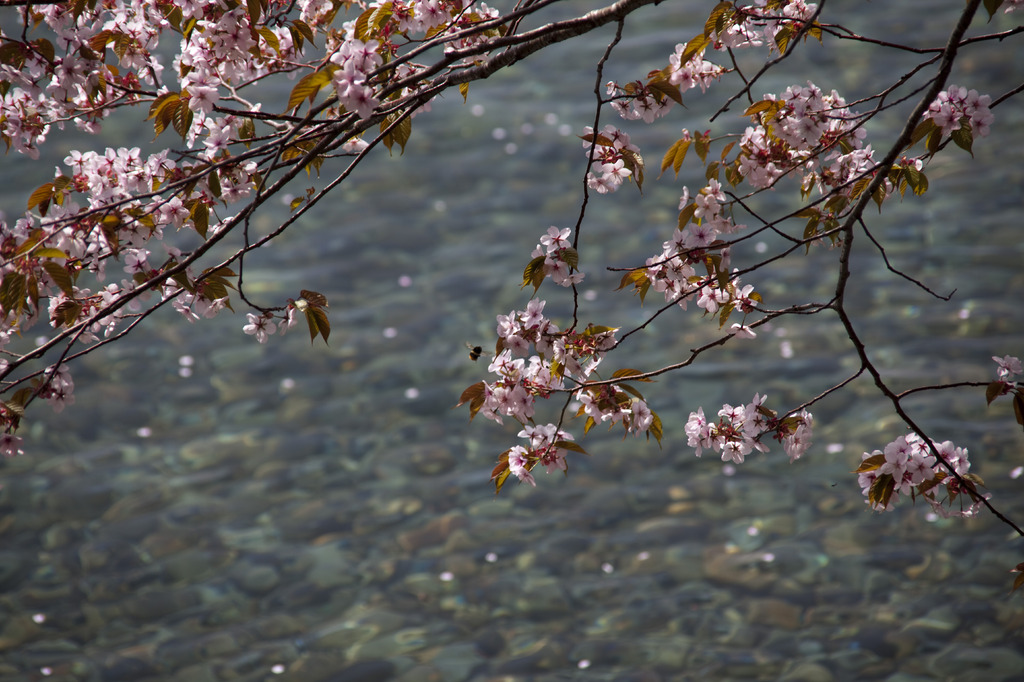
(215, 509)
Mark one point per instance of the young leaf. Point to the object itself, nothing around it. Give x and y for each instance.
(60, 276)
(308, 86)
(686, 215)
(471, 393)
(963, 137)
(570, 445)
(871, 463)
(534, 273)
(993, 391)
(675, 155)
(655, 429)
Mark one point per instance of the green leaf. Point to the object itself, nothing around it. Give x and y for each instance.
(308, 87)
(570, 257)
(991, 6)
(627, 372)
(696, 45)
(664, 88)
(675, 155)
(501, 472)
(49, 252)
(200, 217)
(534, 273)
(923, 129)
(716, 22)
(993, 391)
(881, 490)
(41, 197)
(60, 276)
(963, 137)
(871, 463)
(632, 391)
(635, 163)
(255, 8)
(182, 119)
(304, 30)
(399, 133)
(686, 215)
(570, 445)
(655, 429)
(703, 145)
(317, 321)
(13, 290)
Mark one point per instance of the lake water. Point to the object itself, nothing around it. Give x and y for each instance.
(213, 509)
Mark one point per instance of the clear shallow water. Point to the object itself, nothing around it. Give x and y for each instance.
(296, 507)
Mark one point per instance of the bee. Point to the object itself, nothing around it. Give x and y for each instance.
(476, 351)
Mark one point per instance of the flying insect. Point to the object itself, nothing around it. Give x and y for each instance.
(476, 351)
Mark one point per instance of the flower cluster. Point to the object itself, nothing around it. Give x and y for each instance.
(805, 130)
(356, 59)
(613, 158)
(906, 466)
(740, 430)
(956, 107)
(547, 446)
(559, 258)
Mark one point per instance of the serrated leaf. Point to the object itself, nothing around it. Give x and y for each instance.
(41, 197)
(635, 163)
(49, 252)
(675, 155)
(633, 277)
(696, 45)
(686, 215)
(255, 8)
(630, 390)
(993, 391)
(570, 257)
(182, 119)
(304, 30)
(399, 133)
(881, 490)
(627, 372)
(923, 129)
(314, 298)
(655, 429)
(533, 273)
(758, 107)
(200, 217)
(665, 89)
(308, 87)
(703, 143)
(317, 321)
(716, 20)
(570, 445)
(871, 463)
(501, 472)
(782, 37)
(60, 276)
(13, 289)
(270, 38)
(471, 392)
(963, 137)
